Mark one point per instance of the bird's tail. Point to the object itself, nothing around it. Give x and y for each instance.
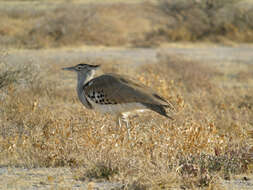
(164, 103)
(159, 109)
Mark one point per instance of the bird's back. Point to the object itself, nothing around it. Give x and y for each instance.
(116, 94)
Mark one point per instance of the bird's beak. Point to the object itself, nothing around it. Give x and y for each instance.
(69, 68)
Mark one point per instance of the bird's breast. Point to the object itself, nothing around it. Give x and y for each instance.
(84, 100)
(115, 108)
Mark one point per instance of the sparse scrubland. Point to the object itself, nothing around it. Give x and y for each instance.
(42, 24)
(44, 125)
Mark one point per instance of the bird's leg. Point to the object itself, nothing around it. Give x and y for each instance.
(124, 118)
(118, 120)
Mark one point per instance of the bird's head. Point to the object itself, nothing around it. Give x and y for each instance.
(84, 71)
(82, 68)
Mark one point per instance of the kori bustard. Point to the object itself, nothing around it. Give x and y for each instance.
(115, 94)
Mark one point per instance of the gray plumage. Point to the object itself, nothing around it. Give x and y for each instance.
(115, 94)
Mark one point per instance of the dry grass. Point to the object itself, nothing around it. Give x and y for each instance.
(204, 20)
(40, 24)
(44, 125)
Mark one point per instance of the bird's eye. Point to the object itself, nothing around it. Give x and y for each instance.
(79, 68)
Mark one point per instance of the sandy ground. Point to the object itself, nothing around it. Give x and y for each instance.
(226, 59)
(217, 55)
(47, 178)
(62, 178)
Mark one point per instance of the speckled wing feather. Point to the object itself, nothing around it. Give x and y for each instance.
(115, 89)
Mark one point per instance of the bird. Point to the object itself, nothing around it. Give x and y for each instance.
(116, 94)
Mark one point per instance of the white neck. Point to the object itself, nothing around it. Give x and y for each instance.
(82, 79)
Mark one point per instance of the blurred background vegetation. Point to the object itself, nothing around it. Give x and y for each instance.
(44, 23)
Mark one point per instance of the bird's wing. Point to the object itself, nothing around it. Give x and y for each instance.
(115, 89)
